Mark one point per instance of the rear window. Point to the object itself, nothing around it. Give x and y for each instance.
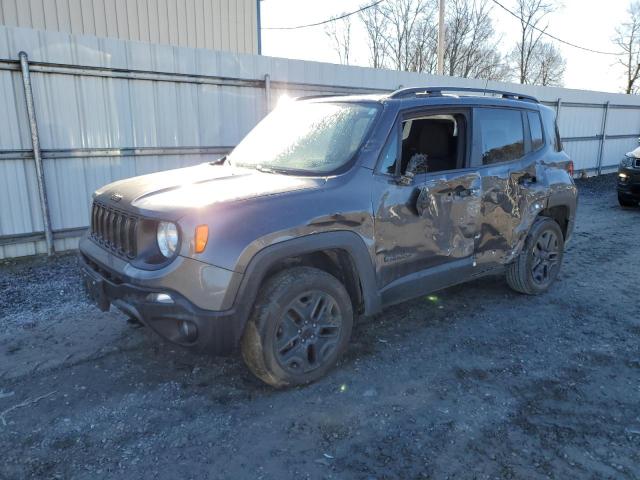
(502, 134)
(535, 124)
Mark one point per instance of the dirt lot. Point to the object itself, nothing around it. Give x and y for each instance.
(477, 382)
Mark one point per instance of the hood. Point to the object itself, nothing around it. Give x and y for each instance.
(634, 153)
(198, 187)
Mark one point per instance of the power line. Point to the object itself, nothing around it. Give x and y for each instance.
(553, 36)
(333, 19)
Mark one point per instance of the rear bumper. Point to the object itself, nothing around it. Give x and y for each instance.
(181, 321)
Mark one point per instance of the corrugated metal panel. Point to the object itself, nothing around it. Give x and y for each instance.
(623, 122)
(214, 24)
(580, 122)
(584, 154)
(76, 111)
(615, 149)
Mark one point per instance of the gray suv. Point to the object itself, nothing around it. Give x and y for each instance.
(333, 207)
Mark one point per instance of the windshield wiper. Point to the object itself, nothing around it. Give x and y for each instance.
(277, 171)
(262, 168)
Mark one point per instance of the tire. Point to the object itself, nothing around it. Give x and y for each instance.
(535, 269)
(299, 326)
(625, 202)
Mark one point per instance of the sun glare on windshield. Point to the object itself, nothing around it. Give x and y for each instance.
(306, 137)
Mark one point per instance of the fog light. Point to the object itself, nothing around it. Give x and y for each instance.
(622, 175)
(160, 298)
(188, 331)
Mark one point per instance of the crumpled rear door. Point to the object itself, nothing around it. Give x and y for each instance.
(513, 195)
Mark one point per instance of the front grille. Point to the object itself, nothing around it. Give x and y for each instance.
(637, 163)
(114, 230)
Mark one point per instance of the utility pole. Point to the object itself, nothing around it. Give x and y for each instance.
(441, 39)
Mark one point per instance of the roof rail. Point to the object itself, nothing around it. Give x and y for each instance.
(437, 92)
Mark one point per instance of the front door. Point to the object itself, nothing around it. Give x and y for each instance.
(425, 226)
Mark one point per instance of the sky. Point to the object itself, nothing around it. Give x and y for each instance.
(589, 23)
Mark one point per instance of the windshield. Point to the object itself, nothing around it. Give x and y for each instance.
(306, 137)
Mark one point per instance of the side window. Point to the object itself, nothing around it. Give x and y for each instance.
(433, 143)
(502, 134)
(390, 154)
(535, 124)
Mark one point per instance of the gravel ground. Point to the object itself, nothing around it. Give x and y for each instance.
(476, 382)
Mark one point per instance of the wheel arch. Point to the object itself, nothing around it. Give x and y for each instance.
(340, 253)
(561, 215)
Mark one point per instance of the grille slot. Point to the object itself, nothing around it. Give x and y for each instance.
(114, 230)
(637, 163)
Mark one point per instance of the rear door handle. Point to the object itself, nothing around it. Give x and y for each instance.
(527, 179)
(466, 192)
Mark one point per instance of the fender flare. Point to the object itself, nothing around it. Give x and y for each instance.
(345, 240)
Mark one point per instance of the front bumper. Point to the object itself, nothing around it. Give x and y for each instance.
(629, 185)
(181, 322)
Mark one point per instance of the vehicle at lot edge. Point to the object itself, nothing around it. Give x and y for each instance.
(333, 207)
(629, 179)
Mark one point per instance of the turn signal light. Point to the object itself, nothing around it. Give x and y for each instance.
(202, 235)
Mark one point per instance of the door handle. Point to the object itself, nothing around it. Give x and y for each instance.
(527, 179)
(466, 192)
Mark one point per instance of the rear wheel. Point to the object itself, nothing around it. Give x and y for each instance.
(300, 325)
(538, 264)
(626, 202)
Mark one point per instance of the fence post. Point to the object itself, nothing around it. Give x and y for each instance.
(267, 91)
(35, 143)
(603, 136)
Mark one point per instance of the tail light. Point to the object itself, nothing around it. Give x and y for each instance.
(570, 167)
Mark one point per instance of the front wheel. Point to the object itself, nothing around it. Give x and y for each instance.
(300, 325)
(538, 264)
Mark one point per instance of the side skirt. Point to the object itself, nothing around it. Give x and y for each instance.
(434, 278)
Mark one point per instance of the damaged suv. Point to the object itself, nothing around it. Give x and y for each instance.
(333, 207)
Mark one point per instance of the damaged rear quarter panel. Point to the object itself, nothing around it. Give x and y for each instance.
(513, 195)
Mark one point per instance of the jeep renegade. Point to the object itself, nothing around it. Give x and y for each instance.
(333, 207)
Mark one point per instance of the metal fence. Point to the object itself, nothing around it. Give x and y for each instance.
(109, 109)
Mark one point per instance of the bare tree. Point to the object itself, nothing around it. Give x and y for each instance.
(424, 46)
(549, 65)
(533, 24)
(339, 32)
(403, 34)
(376, 25)
(405, 20)
(628, 40)
(471, 43)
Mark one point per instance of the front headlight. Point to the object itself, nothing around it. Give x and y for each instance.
(626, 162)
(167, 238)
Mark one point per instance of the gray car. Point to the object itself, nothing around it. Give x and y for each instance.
(333, 207)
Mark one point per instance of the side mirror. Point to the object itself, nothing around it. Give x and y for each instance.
(417, 164)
